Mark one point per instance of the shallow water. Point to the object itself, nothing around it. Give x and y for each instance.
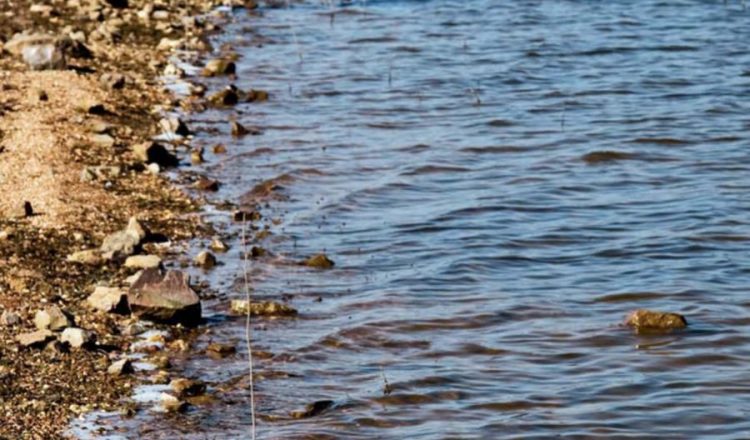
(499, 183)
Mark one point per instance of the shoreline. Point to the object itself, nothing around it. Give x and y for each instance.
(72, 178)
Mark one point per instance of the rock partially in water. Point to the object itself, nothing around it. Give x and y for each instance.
(187, 387)
(153, 152)
(238, 129)
(103, 140)
(205, 184)
(143, 262)
(320, 261)
(76, 337)
(227, 97)
(218, 67)
(261, 308)
(217, 245)
(35, 339)
(51, 318)
(256, 96)
(219, 351)
(164, 298)
(654, 320)
(246, 216)
(108, 299)
(120, 368)
(175, 126)
(205, 260)
(196, 156)
(312, 409)
(172, 404)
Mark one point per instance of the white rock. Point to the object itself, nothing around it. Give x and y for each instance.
(143, 262)
(76, 337)
(51, 318)
(44, 57)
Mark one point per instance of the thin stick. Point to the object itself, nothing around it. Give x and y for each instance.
(247, 331)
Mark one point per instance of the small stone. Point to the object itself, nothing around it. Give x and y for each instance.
(108, 299)
(35, 339)
(320, 261)
(152, 152)
(196, 156)
(76, 337)
(220, 351)
(172, 70)
(51, 318)
(175, 126)
(219, 67)
(160, 378)
(227, 97)
(219, 149)
(166, 297)
(143, 262)
(264, 308)
(124, 243)
(161, 362)
(240, 130)
(42, 96)
(246, 216)
(8, 319)
(153, 168)
(100, 127)
(187, 387)
(653, 320)
(44, 57)
(103, 140)
(218, 246)
(112, 81)
(256, 96)
(172, 404)
(205, 184)
(92, 173)
(91, 257)
(120, 368)
(205, 260)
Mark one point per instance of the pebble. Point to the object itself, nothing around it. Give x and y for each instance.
(187, 387)
(91, 257)
(172, 404)
(8, 319)
(152, 152)
(654, 320)
(33, 339)
(205, 184)
(320, 261)
(218, 67)
(264, 308)
(120, 368)
(112, 81)
(143, 262)
(217, 245)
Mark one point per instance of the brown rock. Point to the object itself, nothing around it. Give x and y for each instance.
(653, 320)
(224, 98)
(187, 387)
(240, 130)
(120, 368)
(219, 67)
(91, 257)
(312, 409)
(218, 246)
(172, 404)
(320, 261)
(205, 184)
(218, 350)
(165, 298)
(246, 216)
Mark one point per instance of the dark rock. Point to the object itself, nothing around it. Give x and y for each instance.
(205, 184)
(246, 216)
(152, 152)
(187, 387)
(224, 98)
(312, 409)
(240, 130)
(220, 351)
(44, 57)
(91, 257)
(256, 96)
(164, 298)
(218, 246)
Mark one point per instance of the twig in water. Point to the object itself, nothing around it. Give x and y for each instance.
(387, 388)
(247, 332)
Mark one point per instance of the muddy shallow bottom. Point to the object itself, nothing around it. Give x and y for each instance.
(498, 184)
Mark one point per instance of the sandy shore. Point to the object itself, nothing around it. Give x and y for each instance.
(68, 177)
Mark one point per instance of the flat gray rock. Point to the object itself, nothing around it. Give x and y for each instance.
(164, 298)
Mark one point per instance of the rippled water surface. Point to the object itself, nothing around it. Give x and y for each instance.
(499, 184)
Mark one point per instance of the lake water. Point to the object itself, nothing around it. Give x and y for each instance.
(440, 152)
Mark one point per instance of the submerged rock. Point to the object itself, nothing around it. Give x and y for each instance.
(227, 97)
(205, 184)
(174, 125)
(187, 387)
(238, 129)
(320, 261)
(51, 318)
(312, 409)
(220, 351)
(654, 320)
(263, 308)
(108, 299)
(164, 297)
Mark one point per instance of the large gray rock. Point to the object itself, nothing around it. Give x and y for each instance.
(164, 298)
